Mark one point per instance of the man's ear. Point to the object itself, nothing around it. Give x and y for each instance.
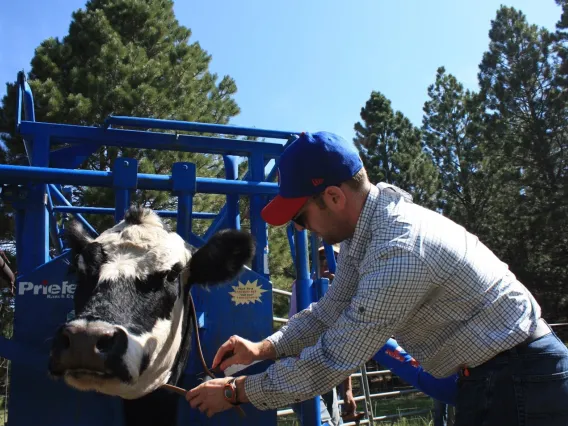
(335, 198)
(221, 258)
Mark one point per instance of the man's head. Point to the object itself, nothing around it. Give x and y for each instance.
(323, 185)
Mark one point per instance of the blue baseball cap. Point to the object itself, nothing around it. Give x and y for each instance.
(307, 166)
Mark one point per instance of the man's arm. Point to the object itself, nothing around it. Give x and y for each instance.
(396, 281)
(304, 328)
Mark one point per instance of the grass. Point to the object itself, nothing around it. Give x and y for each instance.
(389, 406)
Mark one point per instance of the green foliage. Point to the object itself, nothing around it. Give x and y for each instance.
(126, 57)
(453, 135)
(525, 120)
(391, 149)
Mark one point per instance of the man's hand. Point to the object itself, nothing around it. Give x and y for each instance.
(328, 275)
(208, 397)
(349, 404)
(237, 350)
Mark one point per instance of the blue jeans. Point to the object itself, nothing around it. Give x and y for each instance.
(524, 386)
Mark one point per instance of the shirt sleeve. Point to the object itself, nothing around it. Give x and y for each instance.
(304, 328)
(394, 284)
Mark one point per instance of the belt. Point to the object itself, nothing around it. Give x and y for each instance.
(541, 330)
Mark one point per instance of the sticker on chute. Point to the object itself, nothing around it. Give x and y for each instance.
(246, 293)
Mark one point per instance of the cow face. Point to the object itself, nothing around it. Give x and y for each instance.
(130, 302)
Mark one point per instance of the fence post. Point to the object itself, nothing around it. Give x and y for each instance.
(184, 183)
(311, 411)
(125, 180)
(369, 412)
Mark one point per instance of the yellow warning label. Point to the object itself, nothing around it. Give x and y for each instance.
(246, 293)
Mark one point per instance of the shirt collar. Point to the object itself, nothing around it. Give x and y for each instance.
(358, 242)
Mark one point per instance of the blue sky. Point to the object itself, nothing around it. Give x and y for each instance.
(308, 65)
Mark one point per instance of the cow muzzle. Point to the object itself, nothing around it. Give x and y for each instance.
(85, 349)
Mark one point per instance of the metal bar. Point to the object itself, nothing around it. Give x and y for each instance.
(183, 175)
(25, 174)
(36, 222)
(404, 414)
(232, 202)
(277, 319)
(124, 181)
(66, 133)
(25, 92)
(78, 216)
(154, 123)
(394, 393)
(285, 293)
(110, 210)
(311, 414)
(367, 393)
(360, 422)
(372, 373)
(54, 232)
(258, 226)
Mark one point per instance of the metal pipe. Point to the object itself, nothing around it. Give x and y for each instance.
(23, 174)
(155, 123)
(311, 414)
(78, 216)
(110, 210)
(232, 201)
(72, 134)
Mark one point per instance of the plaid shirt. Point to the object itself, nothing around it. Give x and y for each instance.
(408, 272)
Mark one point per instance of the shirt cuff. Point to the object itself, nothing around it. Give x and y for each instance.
(255, 394)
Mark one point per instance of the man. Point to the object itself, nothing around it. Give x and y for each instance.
(404, 271)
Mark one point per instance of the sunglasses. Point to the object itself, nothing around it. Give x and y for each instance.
(300, 218)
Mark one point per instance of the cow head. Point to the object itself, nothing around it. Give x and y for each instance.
(131, 316)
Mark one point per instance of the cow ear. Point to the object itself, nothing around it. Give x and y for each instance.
(76, 237)
(221, 258)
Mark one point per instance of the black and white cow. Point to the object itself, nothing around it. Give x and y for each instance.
(132, 331)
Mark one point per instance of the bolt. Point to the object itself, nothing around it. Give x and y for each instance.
(185, 167)
(126, 163)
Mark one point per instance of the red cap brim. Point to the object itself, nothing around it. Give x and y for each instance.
(281, 210)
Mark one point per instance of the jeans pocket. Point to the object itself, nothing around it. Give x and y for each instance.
(543, 398)
(472, 400)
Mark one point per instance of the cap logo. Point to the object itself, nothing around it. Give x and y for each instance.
(317, 182)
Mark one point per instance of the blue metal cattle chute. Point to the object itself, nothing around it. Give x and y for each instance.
(38, 193)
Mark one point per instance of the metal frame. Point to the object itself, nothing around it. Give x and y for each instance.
(38, 194)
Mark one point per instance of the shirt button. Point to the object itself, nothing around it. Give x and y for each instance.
(297, 400)
(361, 309)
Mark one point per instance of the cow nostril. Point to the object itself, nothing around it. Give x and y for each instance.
(107, 342)
(62, 341)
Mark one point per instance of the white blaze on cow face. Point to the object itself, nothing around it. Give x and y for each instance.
(131, 332)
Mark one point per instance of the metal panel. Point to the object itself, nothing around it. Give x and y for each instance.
(242, 307)
(43, 301)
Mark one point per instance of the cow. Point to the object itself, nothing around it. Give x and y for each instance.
(131, 332)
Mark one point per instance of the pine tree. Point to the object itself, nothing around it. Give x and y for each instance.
(126, 57)
(453, 136)
(392, 152)
(526, 121)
